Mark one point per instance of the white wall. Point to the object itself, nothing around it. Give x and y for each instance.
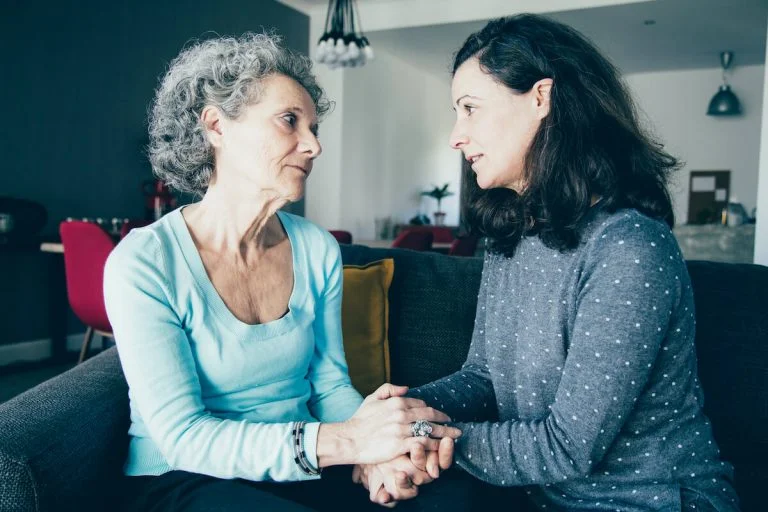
(395, 129)
(675, 104)
(761, 229)
(325, 203)
(394, 133)
(322, 202)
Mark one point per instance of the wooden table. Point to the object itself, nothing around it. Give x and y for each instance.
(54, 247)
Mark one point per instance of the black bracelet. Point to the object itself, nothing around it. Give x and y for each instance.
(300, 456)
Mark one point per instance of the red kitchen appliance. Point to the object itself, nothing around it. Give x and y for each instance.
(158, 199)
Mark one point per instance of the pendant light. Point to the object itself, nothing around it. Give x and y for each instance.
(724, 102)
(343, 43)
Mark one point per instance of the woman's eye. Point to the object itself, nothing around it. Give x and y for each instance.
(469, 109)
(290, 119)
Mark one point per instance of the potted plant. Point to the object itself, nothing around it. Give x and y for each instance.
(438, 193)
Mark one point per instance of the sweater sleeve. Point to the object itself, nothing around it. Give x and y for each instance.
(466, 395)
(163, 382)
(333, 399)
(628, 288)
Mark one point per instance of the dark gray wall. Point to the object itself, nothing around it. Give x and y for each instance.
(77, 79)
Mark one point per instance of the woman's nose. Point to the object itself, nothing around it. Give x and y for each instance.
(312, 146)
(457, 139)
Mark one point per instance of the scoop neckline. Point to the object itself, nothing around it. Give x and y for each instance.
(203, 282)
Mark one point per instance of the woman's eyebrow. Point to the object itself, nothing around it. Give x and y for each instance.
(466, 96)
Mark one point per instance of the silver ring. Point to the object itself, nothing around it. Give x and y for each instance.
(421, 428)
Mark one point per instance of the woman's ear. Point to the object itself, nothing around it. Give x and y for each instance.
(211, 119)
(541, 94)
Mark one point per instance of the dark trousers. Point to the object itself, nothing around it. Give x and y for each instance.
(179, 491)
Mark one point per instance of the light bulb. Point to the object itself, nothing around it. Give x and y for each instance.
(321, 52)
(353, 51)
(340, 46)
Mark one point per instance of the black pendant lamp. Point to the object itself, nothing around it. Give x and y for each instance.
(724, 102)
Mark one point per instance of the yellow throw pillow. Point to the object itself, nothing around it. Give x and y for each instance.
(365, 322)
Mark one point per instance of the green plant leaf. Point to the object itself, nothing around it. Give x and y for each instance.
(438, 192)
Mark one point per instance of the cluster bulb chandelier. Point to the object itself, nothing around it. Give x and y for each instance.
(343, 43)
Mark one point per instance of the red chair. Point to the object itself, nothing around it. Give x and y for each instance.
(464, 246)
(343, 237)
(414, 240)
(442, 234)
(86, 247)
(130, 224)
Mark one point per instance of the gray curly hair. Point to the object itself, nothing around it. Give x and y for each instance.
(226, 73)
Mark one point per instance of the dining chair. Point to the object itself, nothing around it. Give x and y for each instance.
(414, 240)
(130, 224)
(86, 248)
(464, 246)
(343, 237)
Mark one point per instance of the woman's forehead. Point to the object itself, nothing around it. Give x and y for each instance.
(470, 76)
(282, 89)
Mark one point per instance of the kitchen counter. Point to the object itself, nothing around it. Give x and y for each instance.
(715, 242)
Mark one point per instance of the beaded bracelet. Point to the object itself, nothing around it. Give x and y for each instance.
(300, 456)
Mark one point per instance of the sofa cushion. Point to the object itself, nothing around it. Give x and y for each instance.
(63, 443)
(432, 310)
(365, 320)
(732, 349)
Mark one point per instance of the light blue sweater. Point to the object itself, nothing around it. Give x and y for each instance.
(210, 394)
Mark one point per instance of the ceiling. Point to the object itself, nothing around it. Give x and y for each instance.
(325, 2)
(685, 34)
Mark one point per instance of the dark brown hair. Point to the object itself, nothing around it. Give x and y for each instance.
(590, 143)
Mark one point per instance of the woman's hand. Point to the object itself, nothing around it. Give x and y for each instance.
(373, 479)
(399, 479)
(390, 482)
(380, 430)
(432, 462)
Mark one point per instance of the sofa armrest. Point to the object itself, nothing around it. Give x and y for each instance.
(63, 443)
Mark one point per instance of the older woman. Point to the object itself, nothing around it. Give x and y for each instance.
(226, 312)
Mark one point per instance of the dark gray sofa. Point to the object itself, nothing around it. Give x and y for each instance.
(62, 443)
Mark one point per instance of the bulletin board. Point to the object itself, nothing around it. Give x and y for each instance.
(708, 194)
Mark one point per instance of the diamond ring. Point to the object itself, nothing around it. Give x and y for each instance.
(421, 428)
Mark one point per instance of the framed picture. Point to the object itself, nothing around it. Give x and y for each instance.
(708, 194)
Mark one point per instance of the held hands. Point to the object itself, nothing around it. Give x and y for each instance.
(398, 479)
(381, 428)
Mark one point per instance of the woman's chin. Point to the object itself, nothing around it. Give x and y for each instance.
(484, 184)
(295, 193)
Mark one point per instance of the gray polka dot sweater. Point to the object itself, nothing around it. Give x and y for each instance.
(580, 382)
